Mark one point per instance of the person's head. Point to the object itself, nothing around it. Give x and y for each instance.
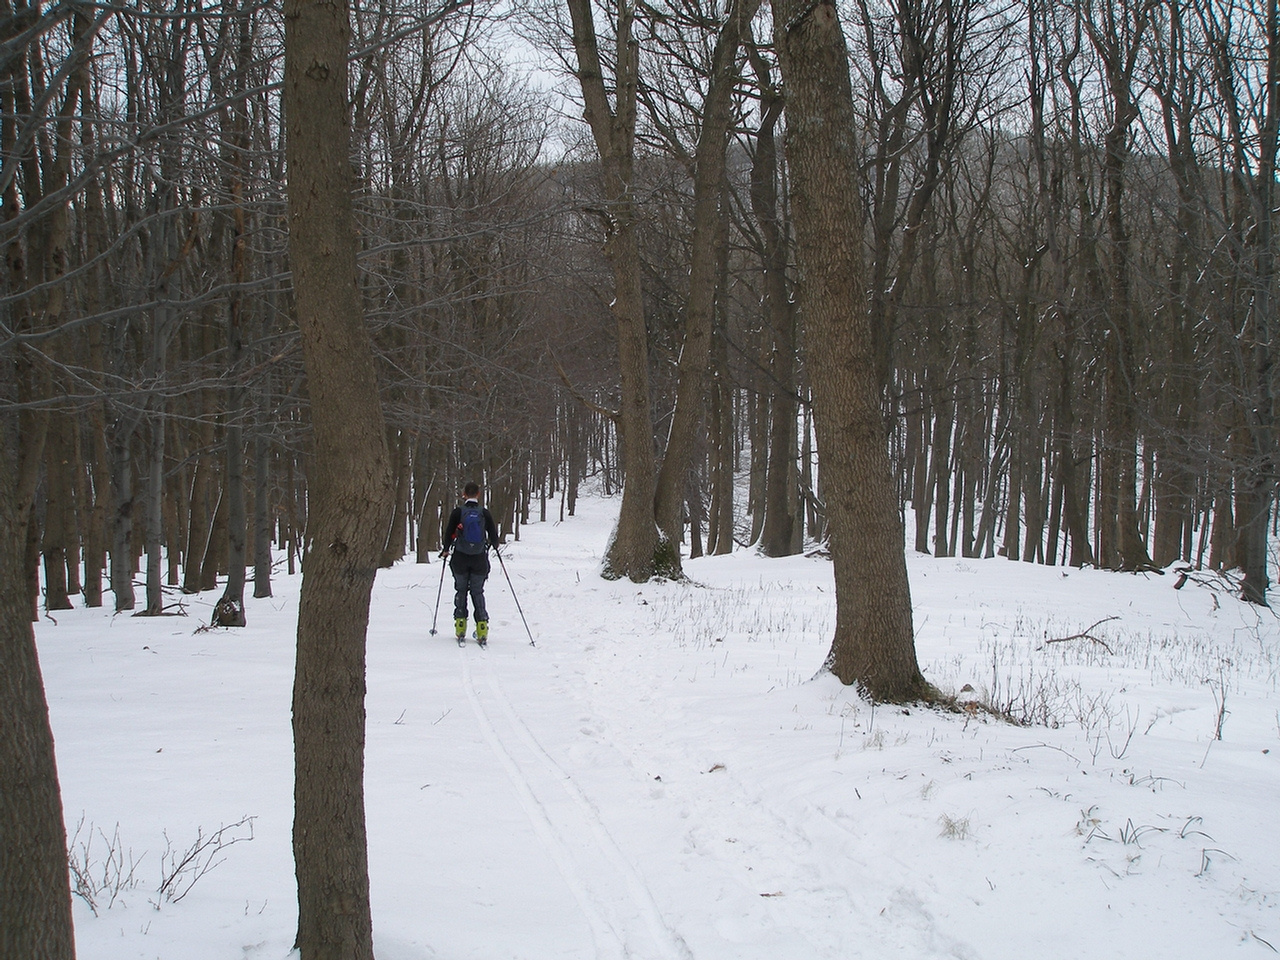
(471, 491)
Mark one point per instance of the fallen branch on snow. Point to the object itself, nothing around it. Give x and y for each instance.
(1086, 635)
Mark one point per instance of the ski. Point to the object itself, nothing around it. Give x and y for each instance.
(483, 641)
(462, 641)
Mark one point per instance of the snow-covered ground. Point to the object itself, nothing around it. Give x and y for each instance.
(663, 776)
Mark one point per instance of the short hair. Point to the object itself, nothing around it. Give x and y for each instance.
(472, 489)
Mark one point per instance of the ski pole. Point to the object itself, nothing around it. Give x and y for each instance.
(513, 596)
(439, 592)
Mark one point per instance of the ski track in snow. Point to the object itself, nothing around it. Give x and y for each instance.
(801, 864)
(602, 880)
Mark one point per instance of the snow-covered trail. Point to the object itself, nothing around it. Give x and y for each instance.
(653, 848)
(559, 749)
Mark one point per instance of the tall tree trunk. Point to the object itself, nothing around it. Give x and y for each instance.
(175, 519)
(781, 499)
(122, 513)
(873, 645)
(720, 522)
(262, 515)
(1017, 461)
(59, 512)
(199, 523)
(638, 549)
(1117, 42)
(1075, 489)
(709, 235)
(35, 888)
(156, 422)
(95, 524)
(694, 505)
(154, 524)
(1033, 485)
(1260, 479)
(944, 412)
(758, 434)
(424, 512)
(229, 610)
(349, 492)
(815, 511)
(395, 547)
(35, 891)
(205, 493)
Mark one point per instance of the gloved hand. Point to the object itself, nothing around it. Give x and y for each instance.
(444, 553)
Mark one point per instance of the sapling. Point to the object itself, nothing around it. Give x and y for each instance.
(179, 872)
(1132, 724)
(99, 883)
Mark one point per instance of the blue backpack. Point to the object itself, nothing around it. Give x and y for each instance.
(470, 537)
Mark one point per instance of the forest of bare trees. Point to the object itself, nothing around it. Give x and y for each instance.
(1066, 225)
(1067, 231)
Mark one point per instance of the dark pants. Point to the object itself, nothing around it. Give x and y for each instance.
(469, 573)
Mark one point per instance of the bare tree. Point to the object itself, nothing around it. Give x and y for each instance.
(1244, 41)
(35, 889)
(349, 492)
(781, 534)
(229, 610)
(1116, 31)
(638, 549)
(709, 179)
(874, 645)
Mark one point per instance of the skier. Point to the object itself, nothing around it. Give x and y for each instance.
(470, 531)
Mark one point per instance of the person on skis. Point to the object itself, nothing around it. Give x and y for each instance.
(470, 532)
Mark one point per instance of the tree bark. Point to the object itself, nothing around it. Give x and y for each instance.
(349, 492)
(35, 889)
(637, 549)
(708, 236)
(154, 522)
(97, 454)
(942, 467)
(396, 546)
(1117, 43)
(874, 644)
(229, 611)
(122, 430)
(1259, 479)
(757, 417)
(779, 537)
(262, 517)
(59, 524)
(720, 522)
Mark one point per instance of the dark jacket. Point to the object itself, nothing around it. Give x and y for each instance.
(453, 526)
